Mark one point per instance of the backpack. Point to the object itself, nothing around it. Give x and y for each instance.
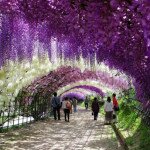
(68, 105)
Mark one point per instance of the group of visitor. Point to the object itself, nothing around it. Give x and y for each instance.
(110, 107)
(66, 105)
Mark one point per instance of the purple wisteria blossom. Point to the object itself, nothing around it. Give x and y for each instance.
(117, 32)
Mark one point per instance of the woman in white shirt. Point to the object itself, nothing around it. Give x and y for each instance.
(108, 108)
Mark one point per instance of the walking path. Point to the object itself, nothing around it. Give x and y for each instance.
(81, 133)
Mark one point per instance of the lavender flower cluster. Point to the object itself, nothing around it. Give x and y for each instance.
(63, 76)
(116, 31)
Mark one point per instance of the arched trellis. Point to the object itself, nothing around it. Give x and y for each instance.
(85, 87)
(41, 90)
(62, 77)
(80, 95)
(88, 33)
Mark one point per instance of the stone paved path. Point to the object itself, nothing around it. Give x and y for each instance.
(81, 133)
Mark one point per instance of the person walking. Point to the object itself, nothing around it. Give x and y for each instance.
(74, 103)
(66, 105)
(108, 108)
(95, 108)
(115, 107)
(70, 100)
(86, 102)
(56, 105)
(115, 102)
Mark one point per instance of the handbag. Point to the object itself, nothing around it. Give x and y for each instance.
(116, 108)
(114, 116)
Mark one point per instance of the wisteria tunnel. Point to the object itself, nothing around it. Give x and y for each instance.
(77, 48)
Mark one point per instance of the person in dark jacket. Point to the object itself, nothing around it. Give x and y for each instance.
(56, 105)
(86, 102)
(95, 108)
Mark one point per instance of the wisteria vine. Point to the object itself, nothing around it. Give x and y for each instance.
(87, 87)
(115, 31)
(63, 76)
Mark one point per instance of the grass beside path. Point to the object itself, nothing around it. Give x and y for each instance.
(135, 132)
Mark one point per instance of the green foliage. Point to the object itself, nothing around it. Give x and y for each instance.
(145, 137)
(2, 119)
(137, 134)
(81, 104)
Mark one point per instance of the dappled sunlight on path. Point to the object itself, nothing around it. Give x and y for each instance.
(81, 133)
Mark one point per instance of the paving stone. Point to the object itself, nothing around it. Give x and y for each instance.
(81, 133)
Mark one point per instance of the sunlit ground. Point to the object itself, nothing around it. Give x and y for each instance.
(82, 132)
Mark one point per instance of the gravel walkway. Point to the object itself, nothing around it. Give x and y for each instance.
(81, 133)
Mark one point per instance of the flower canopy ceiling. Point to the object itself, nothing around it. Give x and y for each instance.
(64, 76)
(89, 89)
(116, 32)
(81, 91)
(77, 94)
